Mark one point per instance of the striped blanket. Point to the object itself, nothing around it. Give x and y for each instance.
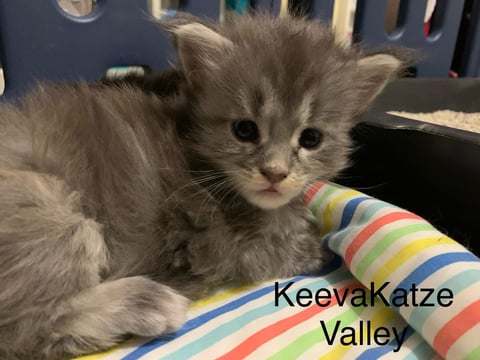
(397, 289)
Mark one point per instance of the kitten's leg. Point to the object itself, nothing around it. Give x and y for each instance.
(52, 301)
(101, 316)
(300, 254)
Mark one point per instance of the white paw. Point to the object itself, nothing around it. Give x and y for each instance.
(157, 310)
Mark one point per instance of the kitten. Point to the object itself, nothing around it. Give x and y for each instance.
(117, 205)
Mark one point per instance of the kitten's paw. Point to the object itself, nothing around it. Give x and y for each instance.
(317, 262)
(128, 306)
(157, 311)
(106, 314)
(154, 309)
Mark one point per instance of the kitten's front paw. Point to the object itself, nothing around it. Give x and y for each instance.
(174, 309)
(325, 257)
(102, 316)
(156, 310)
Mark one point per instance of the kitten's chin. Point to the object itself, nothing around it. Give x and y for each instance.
(268, 200)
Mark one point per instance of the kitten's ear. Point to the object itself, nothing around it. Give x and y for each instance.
(373, 73)
(199, 48)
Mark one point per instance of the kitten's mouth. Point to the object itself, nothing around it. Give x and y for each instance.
(269, 196)
(270, 191)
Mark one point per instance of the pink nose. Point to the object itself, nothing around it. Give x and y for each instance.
(274, 175)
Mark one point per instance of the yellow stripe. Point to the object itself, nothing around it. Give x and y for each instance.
(380, 318)
(222, 296)
(406, 253)
(331, 208)
(96, 356)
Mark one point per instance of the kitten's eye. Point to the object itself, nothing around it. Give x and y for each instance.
(310, 138)
(245, 130)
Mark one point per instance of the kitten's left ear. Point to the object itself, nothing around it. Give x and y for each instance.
(199, 48)
(372, 74)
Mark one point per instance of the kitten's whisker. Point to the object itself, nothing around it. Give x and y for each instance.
(201, 190)
(212, 192)
(222, 197)
(210, 188)
(193, 182)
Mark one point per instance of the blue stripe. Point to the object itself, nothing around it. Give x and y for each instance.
(455, 284)
(377, 352)
(431, 266)
(349, 210)
(347, 215)
(203, 318)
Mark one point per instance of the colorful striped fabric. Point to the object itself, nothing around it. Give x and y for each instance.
(397, 289)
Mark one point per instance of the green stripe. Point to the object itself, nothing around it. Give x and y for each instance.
(301, 344)
(384, 243)
(315, 205)
(474, 355)
(368, 210)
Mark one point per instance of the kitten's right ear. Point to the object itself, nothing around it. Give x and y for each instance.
(199, 48)
(374, 72)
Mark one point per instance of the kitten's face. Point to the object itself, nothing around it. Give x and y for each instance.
(271, 146)
(274, 111)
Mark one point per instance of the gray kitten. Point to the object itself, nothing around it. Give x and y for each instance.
(117, 205)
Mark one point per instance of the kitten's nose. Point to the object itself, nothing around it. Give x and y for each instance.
(274, 174)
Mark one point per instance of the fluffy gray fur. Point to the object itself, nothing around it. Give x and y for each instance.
(117, 205)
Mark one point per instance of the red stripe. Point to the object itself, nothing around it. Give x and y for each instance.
(312, 190)
(369, 230)
(456, 327)
(266, 334)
